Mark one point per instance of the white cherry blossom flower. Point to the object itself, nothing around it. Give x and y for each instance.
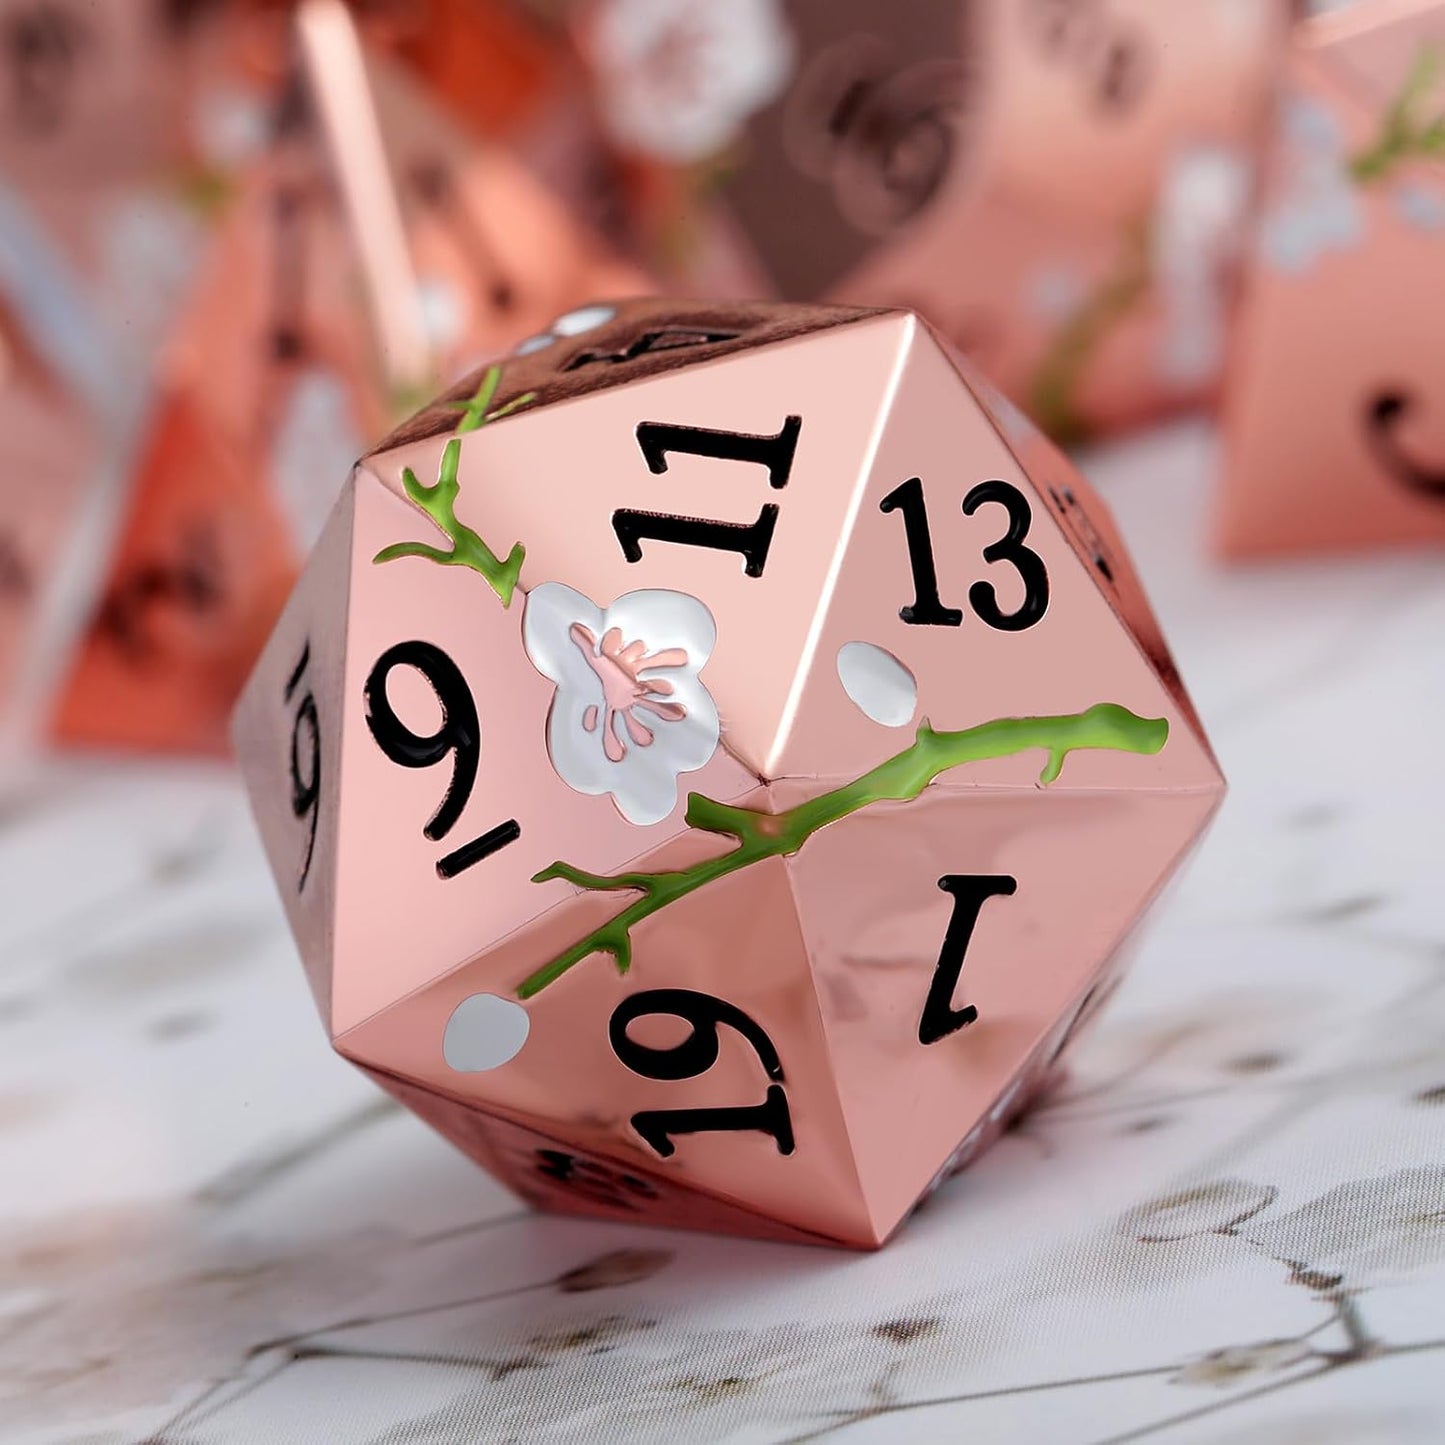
(679, 77)
(630, 713)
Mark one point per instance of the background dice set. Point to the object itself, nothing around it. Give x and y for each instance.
(1107, 209)
(783, 997)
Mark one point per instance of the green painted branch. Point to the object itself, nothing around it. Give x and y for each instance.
(477, 410)
(899, 779)
(468, 549)
(1053, 393)
(1403, 135)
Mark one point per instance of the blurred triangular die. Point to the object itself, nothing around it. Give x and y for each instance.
(276, 316)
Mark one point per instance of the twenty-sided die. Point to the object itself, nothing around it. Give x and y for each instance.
(711, 763)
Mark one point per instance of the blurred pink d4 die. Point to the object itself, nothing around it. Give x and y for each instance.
(1335, 419)
(711, 763)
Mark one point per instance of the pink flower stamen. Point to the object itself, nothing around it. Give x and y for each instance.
(625, 691)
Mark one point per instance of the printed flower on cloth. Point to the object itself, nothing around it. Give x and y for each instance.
(630, 712)
(679, 77)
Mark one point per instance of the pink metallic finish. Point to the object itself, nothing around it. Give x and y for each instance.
(1059, 186)
(278, 307)
(1335, 416)
(805, 1036)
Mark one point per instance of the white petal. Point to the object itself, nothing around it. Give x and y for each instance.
(664, 619)
(484, 1032)
(547, 620)
(584, 318)
(881, 687)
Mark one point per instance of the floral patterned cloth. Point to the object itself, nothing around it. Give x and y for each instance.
(1228, 1226)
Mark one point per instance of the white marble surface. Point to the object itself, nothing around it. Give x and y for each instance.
(211, 1230)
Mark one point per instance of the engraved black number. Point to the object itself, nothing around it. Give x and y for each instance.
(1383, 414)
(305, 746)
(460, 735)
(288, 273)
(695, 1055)
(1009, 548)
(970, 892)
(594, 1181)
(43, 46)
(1111, 56)
(193, 584)
(926, 609)
(15, 580)
(1122, 72)
(1089, 538)
(774, 452)
(752, 539)
(661, 338)
(436, 186)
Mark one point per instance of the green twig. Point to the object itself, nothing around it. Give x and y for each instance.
(477, 409)
(769, 835)
(468, 550)
(1403, 133)
(1053, 392)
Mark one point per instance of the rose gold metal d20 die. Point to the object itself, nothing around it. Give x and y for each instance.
(712, 762)
(1335, 422)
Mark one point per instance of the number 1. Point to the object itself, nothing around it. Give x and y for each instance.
(970, 892)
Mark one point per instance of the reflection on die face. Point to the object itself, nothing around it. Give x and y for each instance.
(1335, 418)
(703, 750)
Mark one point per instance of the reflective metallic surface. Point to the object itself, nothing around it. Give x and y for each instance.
(844, 963)
(1335, 418)
(278, 357)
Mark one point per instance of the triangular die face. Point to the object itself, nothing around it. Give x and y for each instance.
(949, 936)
(1347, 450)
(209, 546)
(437, 858)
(202, 566)
(286, 734)
(730, 481)
(958, 573)
(496, 255)
(549, 1172)
(705, 1064)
